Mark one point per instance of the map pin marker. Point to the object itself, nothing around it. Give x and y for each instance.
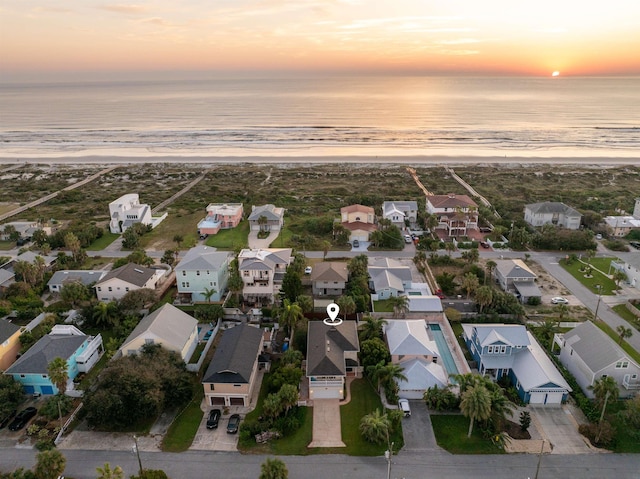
(332, 310)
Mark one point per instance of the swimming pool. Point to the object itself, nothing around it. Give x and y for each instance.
(447, 358)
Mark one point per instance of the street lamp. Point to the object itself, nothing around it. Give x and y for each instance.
(599, 288)
(135, 448)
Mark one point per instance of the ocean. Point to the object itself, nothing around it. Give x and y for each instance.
(561, 116)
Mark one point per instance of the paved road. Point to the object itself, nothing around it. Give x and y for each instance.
(418, 465)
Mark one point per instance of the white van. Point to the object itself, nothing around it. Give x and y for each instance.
(403, 405)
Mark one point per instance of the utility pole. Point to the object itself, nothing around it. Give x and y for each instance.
(599, 288)
(135, 439)
(539, 460)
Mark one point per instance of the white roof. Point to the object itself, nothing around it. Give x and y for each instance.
(622, 222)
(427, 303)
(534, 369)
(409, 336)
(422, 374)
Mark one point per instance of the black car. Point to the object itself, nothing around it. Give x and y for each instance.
(234, 422)
(22, 418)
(5, 420)
(213, 419)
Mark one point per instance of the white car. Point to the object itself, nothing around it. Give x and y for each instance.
(308, 270)
(403, 405)
(559, 300)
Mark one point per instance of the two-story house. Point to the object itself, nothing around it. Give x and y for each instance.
(266, 218)
(231, 376)
(552, 213)
(456, 214)
(118, 282)
(332, 355)
(127, 211)
(168, 326)
(388, 277)
(512, 351)
(67, 342)
(359, 220)
(399, 212)
(515, 277)
(411, 348)
(64, 277)
(9, 343)
(329, 278)
(262, 272)
(630, 267)
(589, 354)
(202, 274)
(220, 216)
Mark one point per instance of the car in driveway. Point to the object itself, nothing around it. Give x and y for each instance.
(213, 419)
(356, 243)
(233, 424)
(408, 239)
(403, 405)
(559, 300)
(22, 418)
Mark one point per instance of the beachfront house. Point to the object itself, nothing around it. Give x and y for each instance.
(359, 220)
(552, 213)
(202, 275)
(456, 214)
(127, 211)
(589, 354)
(9, 343)
(388, 277)
(220, 216)
(64, 277)
(118, 282)
(266, 218)
(400, 213)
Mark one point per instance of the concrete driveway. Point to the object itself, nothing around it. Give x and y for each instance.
(215, 439)
(326, 424)
(256, 243)
(417, 429)
(557, 425)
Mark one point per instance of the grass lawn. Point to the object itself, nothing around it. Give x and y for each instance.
(624, 441)
(635, 355)
(283, 239)
(185, 426)
(176, 223)
(608, 285)
(382, 306)
(232, 238)
(627, 315)
(296, 444)
(451, 434)
(7, 245)
(197, 352)
(105, 240)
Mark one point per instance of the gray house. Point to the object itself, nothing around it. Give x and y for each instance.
(400, 211)
(389, 277)
(85, 277)
(273, 218)
(552, 213)
(329, 278)
(515, 277)
(589, 354)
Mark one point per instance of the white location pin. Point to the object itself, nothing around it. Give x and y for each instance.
(332, 310)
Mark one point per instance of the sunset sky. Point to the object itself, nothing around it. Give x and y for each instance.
(57, 37)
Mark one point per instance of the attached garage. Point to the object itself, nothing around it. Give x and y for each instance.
(236, 401)
(324, 393)
(216, 401)
(545, 397)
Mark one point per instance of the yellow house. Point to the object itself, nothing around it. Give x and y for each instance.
(9, 343)
(169, 327)
(230, 378)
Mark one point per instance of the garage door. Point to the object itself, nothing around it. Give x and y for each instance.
(360, 237)
(236, 401)
(46, 389)
(539, 397)
(216, 401)
(411, 393)
(325, 393)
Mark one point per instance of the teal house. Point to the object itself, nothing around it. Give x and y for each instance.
(67, 342)
(202, 275)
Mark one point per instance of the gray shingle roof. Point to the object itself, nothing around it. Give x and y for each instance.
(514, 268)
(131, 273)
(326, 346)
(7, 330)
(202, 258)
(268, 211)
(51, 346)
(85, 277)
(235, 356)
(552, 207)
(330, 271)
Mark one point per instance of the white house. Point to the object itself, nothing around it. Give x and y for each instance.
(262, 272)
(400, 211)
(552, 213)
(388, 277)
(126, 211)
(456, 214)
(118, 282)
(630, 267)
(589, 354)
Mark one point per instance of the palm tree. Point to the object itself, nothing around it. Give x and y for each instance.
(400, 305)
(372, 328)
(326, 246)
(273, 469)
(484, 296)
(491, 265)
(306, 303)
(262, 222)
(618, 276)
(58, 371)
(476, 404)
(470, 283)
(49, 464)
(290, 315)
(208, 293)
(472, 255)
(347, 304)
(105, 472)
(623, 333)
(603, 389)
(104, 314)
(375, 427)
(465, 381)
(178, 238)
(449, 246)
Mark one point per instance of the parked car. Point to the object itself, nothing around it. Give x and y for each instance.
(403, 405)
(440, 294)
(207, 335)
(484, 244)
(22, 418)
(308, 270)
(635, 244)
(559, 300)
(233, 424)
(408, 239)
(5, 420)
(356, 243)
(214, 418)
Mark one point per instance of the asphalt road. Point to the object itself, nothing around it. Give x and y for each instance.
(418, 465)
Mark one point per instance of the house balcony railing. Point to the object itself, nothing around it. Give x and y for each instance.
(326, 384)
(631, 384)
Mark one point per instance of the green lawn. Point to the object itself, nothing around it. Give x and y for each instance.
(628, 316)
(232, 238)
(176, 223)
(296, 444)
(635, 355)
(185, 426)
(382, 306)
(608, 285)
(7, 245)
(197, 352)
(284, 238)
(105, 240)
(624, 440)
(451, 435)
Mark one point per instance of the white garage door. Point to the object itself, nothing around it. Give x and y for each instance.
(325, 393)
(411, 394)
(539, 397)
(359, 236)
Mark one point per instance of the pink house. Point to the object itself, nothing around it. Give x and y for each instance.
(220, 217)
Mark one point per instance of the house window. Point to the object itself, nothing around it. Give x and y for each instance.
(503, 349)
(99, 288)
(188, 284)
(126, 289)
(22, 376)
(183, 283)
(184, 273)
(634, 376)
(622, 364)
(148, 341)
(44, 376)
(212, 387)
(237, 385)
(110, 288)
(490, 350)
(197, 273)
(207, 272)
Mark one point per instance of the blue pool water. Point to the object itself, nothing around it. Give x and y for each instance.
(447, 359)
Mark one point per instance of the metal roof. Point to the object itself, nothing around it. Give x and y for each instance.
(409, 337)
(422, 375)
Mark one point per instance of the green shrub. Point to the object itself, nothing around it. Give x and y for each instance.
(50, 407)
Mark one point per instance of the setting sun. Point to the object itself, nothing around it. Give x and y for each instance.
(555, 74)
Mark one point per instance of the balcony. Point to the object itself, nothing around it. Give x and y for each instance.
(631, 384)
